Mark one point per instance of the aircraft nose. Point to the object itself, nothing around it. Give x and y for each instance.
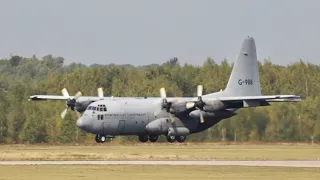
(83, 123)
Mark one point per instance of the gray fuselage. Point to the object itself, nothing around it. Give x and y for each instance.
(142, 117)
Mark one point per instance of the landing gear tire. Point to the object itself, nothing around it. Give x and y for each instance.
(97, 139)
(153, 138)
(100, 138)
(181, 139)
(171, 139)
(143, 138)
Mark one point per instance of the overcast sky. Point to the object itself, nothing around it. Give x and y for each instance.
(146, 31)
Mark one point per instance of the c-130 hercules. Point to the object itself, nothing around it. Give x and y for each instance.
(174, 117)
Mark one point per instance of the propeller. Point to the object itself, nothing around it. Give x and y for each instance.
(165, 104)
(71, 102)
(198, 104)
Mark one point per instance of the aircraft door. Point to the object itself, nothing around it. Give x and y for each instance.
(121, 126)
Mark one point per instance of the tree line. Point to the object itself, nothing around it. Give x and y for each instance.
(22, 121)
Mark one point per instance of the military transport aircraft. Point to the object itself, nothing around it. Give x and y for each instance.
(174, 117)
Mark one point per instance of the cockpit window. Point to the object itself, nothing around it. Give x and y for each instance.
(93, 108)
(89, 108)
(102, 108)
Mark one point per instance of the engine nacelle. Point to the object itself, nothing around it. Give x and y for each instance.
(81, 106)
(212, 106)
(158, 126)
(178, 107)
(178, 131)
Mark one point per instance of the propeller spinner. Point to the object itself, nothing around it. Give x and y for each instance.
(71, 102)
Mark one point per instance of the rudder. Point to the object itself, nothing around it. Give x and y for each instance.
(244, 79)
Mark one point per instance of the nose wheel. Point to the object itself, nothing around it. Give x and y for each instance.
(100, 138)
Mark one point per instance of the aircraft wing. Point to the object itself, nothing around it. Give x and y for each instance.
(54, 97)
(271, 98)
(47, 97)
(81, 98)
(251, 101)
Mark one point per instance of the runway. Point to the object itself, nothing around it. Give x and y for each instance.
(174, 163)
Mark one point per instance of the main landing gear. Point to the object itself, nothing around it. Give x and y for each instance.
(180, 139)
(154, 138)
(151, 138)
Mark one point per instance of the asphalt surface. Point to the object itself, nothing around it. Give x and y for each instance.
(193, 163)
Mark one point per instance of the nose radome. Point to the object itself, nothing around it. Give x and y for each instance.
(80, 122)
(84, 123)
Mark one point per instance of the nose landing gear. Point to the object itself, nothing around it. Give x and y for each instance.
(100, 138)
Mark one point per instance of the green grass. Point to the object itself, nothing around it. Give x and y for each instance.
(160, 151)
(125, 172)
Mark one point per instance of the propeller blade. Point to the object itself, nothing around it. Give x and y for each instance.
(199, 90)
(163, 93)
(190, 105)
(171, 118)
(65, 93)
(77, 95)
(100, 93)
(201, 116)
(64, 112)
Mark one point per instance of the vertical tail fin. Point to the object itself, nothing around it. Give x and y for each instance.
(244, 79)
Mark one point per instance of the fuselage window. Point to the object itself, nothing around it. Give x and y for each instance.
(100, 117)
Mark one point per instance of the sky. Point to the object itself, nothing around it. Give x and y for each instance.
(143, 32)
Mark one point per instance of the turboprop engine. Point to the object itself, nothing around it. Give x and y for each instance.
(174, 107)
(213, 106)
